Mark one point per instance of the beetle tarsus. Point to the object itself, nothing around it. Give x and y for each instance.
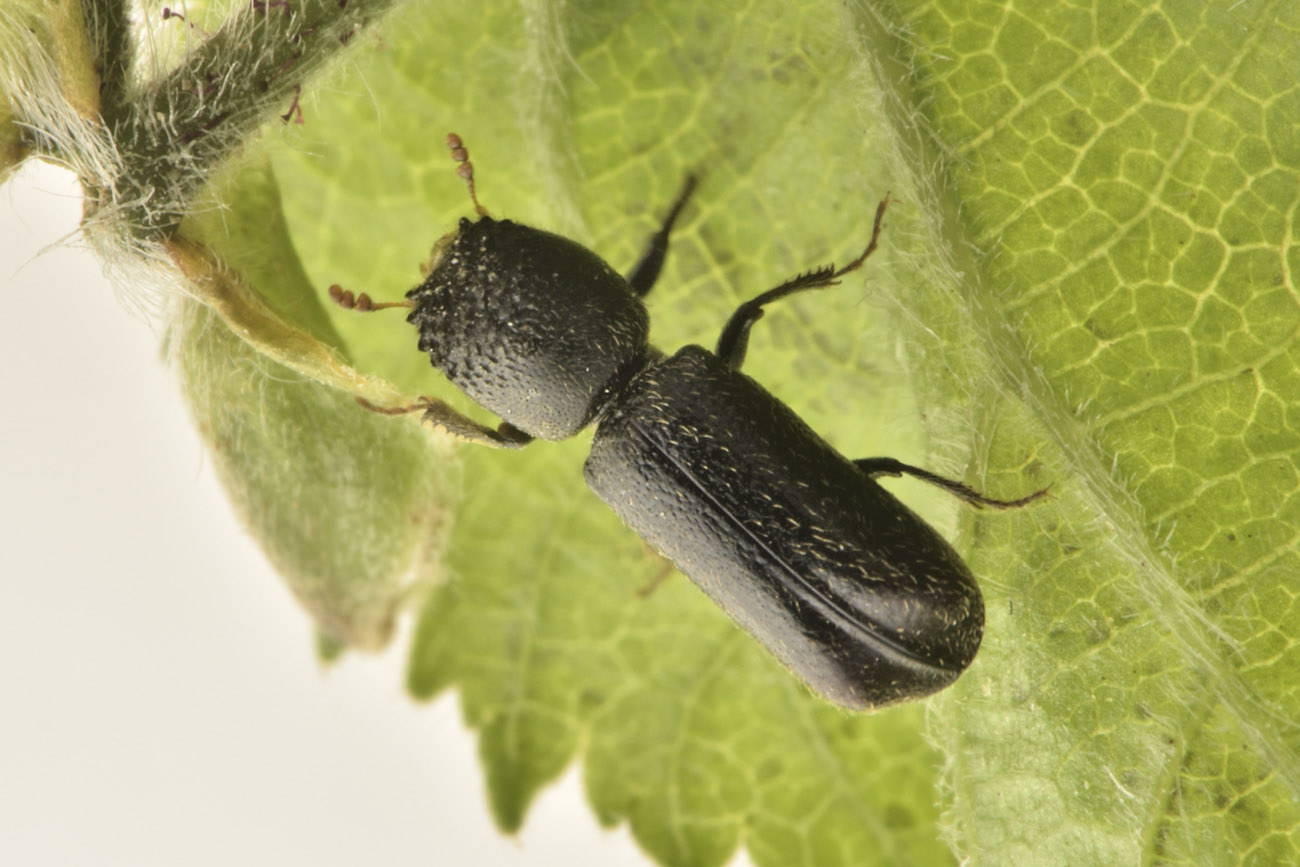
(876, 226)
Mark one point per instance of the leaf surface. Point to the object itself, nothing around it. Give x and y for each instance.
(1088, 281)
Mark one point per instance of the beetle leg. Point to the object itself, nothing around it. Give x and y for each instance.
(645, 273)
(889, 467)
(665, 571)
(441, 417)
(734, 340)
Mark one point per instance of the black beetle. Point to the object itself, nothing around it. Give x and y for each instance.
(851, 590)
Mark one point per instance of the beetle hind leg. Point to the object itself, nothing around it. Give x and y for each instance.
(874, 467)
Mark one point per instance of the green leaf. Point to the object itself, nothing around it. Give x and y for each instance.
(353, 521)
(1088, 282)
(1133, 177)
(46, 64)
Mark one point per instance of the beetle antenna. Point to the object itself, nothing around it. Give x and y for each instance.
(361, 303)
(465, 170)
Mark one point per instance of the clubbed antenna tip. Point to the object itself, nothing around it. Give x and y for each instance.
(465, 170)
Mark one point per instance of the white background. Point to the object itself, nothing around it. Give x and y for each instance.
(160, 702)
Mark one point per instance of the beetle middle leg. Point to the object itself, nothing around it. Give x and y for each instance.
(734, 341)
(442, 417)
(643, 276)
(890, 467)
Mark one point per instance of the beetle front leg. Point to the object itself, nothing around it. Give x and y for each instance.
(874, 467)
(645, 273)
(441, 417)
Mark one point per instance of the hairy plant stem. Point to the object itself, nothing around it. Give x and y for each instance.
(108, 30)
(173, 132)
